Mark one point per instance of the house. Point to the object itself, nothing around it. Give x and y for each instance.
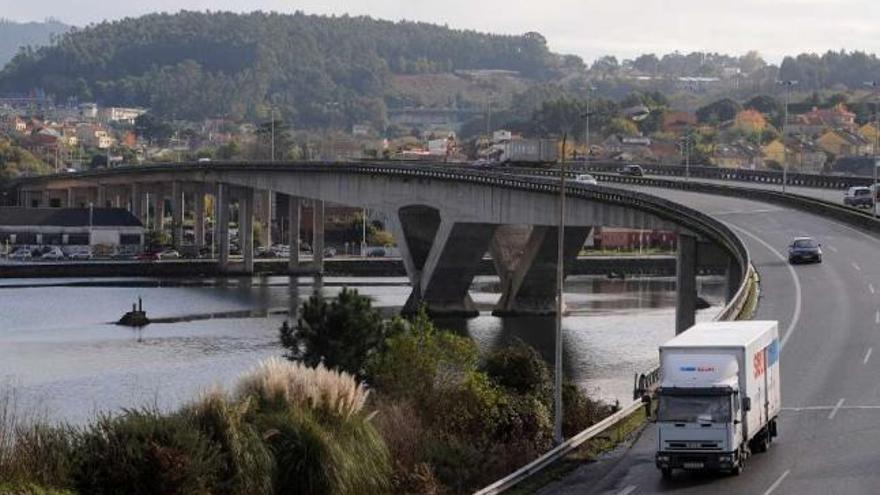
(870, 132)
(841, 142)
(818, 120)
(72, 229)
(120, 114)
(93, 135)
(15, 124)
(800, 154)
(739, 154)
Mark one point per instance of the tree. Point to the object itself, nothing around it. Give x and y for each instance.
(341, 334)
(719, 111)
(621, 127)
(151, 127)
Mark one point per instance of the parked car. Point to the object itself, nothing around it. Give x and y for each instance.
(54, 253)
(21, 254)
(859, 197)
(329, 252)
(169, 254)
(376, 252)
(81, 255)
(804, 249)
(633, 170)
(148, 256)
(586, 179)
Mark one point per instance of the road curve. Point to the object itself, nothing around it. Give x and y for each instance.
(830, 322)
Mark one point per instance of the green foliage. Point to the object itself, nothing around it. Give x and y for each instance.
(153, 128)
(315, 71)
(18, 162)
(520, 369)
(143, 452)
(23, 488)
(417, 359)
(341, 334)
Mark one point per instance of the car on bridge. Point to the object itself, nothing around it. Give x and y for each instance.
(586, 179)
(859, 197)
(633, 170)
(804, 249)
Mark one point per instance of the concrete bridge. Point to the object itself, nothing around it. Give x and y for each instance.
(444, 219)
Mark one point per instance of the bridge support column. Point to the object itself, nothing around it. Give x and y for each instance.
(70, 198)
(159, 211)
(221, 225)
(526, 259)
(265, 215)
(178, 204)
(318, 237)
(199, 218)
(246, 228)
(686, 283)
(293, 225)
(101, 196)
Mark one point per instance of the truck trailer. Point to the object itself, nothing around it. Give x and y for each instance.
(719, 396)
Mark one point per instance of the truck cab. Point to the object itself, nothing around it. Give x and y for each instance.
(719, 396)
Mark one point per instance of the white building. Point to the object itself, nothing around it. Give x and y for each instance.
(71, 229)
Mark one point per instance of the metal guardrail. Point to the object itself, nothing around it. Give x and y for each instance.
(558, 452)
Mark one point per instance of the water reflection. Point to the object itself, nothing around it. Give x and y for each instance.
(57, 346)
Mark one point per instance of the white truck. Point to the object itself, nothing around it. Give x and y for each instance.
(719, 396)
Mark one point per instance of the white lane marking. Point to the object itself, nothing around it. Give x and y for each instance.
(868, 355)
(828, 408)
(833, 249)
(836, 408)
(627, 490)
(871, 288)
(778, 482)
(877, 317)
(856, 266)
(796, 316)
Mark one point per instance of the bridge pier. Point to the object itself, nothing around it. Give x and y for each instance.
(221, 225)
(100, 196)
(178, 204)
(526, 259)
(265, 216)
(246, 228)
(199, 217)
(686, 283)
(318, 236)
(294, 211)
(159, 210)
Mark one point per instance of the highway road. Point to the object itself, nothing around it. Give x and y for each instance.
(829, 318)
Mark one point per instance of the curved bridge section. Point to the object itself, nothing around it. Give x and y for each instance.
(444, 218)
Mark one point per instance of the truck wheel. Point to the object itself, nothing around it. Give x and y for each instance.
(666, 473)
(737, 470)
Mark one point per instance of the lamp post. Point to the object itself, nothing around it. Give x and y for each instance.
(364, 232)
(560, 274)
(788, 84)
(587, 116)
(874, 191)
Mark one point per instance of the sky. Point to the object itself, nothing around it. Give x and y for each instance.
(589, 28)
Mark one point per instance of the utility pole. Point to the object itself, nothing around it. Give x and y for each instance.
(589, 114)
(874, 189)
(560, 274)
(273, 132)
(788, 84)
(364, 232)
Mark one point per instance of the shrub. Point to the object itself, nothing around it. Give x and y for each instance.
(520, 369)
(404, 433)
(417, 358)
(278, 384)
(23, 488)
(341, 334)
(579, 411)
(247, 463)
(142, 452)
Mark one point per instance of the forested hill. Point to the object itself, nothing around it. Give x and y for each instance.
(314, 70)
(14, 36)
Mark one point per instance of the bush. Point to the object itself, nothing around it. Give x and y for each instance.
(280, 385)
(417, 358)
(247, 463)
(341, 334)
(520, 369)
(21, 488)
(579, 411)
(142, 452)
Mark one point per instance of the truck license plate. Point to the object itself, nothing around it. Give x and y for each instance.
(693, 465)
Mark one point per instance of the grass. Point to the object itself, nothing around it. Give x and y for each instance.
(588, 452)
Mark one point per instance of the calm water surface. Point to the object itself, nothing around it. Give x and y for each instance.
(61, 353)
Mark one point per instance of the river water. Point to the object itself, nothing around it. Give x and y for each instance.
(61, 354)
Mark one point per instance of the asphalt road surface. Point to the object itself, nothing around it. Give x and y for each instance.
(830, 329)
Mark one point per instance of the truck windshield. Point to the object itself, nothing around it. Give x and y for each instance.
(693, 409)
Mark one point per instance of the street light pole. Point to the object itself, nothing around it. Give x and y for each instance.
(589, 114)
(272, 116)
(364, 232)
(560, 274)
(788, 84)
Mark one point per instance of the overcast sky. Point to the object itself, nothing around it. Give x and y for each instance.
(588, 28)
